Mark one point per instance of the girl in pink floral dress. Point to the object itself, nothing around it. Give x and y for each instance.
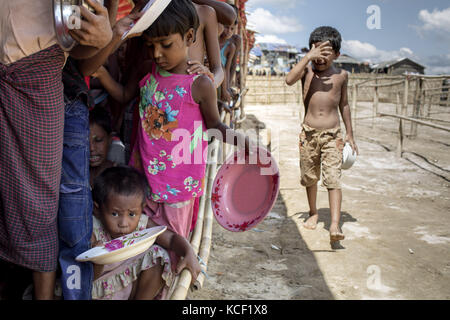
(176, 108)
(119, 199)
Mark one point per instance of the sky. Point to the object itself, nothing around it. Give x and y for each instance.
(372, 30)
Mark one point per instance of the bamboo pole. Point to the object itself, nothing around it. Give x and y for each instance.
(416, 107)
(424, 123)
(422, 103)
(375, 105)
(405, 97)
(430, 101)
(182, 282)
(403, 113)
(400, 139)
(354, 102)
(390, 84)
(207, 229)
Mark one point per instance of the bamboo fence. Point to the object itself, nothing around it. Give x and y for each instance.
(415, 90)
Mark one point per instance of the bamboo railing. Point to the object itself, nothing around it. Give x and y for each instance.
(412, 86)
(201, 237)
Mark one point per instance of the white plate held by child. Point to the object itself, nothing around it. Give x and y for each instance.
(122, 248)
(348, 156)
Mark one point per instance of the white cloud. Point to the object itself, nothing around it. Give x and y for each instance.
(269, 38)
(368, 52)
(278, 3)
(364, 51)
(436, 20)
(263, 21)
(438, 64)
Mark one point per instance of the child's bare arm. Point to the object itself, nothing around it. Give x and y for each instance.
(89, 66)
(204, 94)
(237, 42)
(226, 82)
(344, 108)
(225, 13)
(315, 53)
(120, 93)
(230, 55)
(212, 44)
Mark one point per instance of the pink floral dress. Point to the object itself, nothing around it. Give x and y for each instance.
(171, 142)
(115, 282)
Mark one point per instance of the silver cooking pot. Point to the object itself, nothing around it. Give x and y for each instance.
(63, 20)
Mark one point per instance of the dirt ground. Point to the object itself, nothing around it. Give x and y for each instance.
(395, 215)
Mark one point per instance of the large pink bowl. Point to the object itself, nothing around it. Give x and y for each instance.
(242, 196)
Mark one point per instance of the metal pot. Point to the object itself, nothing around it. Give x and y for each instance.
(62, 12)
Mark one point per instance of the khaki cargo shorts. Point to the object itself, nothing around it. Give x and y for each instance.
(321, 147)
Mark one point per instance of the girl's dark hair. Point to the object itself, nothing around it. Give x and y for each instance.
(122, 180)
(325, 33)
(100, 116)
(178, 17)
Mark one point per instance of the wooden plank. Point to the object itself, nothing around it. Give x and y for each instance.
(424, 123)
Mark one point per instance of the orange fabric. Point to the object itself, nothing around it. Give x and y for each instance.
(125, 7)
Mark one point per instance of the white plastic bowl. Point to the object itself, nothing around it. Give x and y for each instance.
(348, 157)
(130, 245)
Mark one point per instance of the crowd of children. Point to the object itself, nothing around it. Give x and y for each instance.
(148, 92)
(142, 91)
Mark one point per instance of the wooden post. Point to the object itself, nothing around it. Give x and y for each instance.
(400, 123)
(416, 106)
(400, 139)
(405, 97)
(375, 104)
(423, 102)
(397, 105)
(430, 101)
(354, 102)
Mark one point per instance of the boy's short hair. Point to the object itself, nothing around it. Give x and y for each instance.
(178, 17)
(326, 33)
(100, 117)
(122, 180)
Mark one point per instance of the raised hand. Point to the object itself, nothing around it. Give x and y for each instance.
(95, 29)
(124, 24)
(197, 67)
(320, 52)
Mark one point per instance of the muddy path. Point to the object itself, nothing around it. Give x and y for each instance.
(395, 215)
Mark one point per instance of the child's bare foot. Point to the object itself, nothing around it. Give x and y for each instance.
(336, 234)
(311, 222)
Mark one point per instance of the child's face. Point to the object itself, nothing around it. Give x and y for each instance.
(120, 214)
(99, 141)
(324, 64)
(170, 52)
(220, 28)
(228, 31)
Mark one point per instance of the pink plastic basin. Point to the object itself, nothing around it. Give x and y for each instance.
(242, 196)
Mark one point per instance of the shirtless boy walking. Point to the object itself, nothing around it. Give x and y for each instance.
(321, 143)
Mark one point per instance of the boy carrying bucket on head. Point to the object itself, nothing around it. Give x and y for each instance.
(321, 143)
